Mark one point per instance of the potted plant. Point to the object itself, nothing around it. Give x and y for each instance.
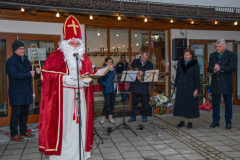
(160, 102)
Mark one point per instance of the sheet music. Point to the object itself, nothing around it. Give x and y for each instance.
(148, 76)
(130, 76)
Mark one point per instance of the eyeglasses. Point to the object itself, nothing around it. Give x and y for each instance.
(74, 44)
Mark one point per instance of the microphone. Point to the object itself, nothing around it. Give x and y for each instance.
(75, 54)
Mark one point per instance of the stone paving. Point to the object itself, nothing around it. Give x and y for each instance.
(167, 142)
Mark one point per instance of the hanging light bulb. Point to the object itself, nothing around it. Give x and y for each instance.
(216, 22)
(145, 20)
(171, 20)
(192, 22)
(91, 17)
(57, 15)
(235, 23)
(119, 18)
(117, 35)
(22, 9)
(135, 35)
(98, 34)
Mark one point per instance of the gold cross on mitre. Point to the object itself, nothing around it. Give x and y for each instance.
(74, 27)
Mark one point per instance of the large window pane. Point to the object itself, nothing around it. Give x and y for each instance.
(238, 72)
(199, 50)
(45, 48)
(139, 42)
(3, 80)
(96, 46)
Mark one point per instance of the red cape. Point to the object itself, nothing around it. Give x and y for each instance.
(51, 109)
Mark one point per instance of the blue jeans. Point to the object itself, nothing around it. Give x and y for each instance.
(216, 98)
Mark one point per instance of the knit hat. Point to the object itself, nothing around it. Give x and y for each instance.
(16, 45)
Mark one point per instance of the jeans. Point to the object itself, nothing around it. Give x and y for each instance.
(109, 101)
(135, 99)
(19, 113)
(216, 98)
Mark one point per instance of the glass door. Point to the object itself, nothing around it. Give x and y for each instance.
(4, 108)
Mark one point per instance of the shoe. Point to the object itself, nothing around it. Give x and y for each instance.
(213, 125)
(228, 126)
(144, 118)
(189, 125)
(110, 118)
(16, 138)
(181, 124)
(132, 119)
(27, 134)
(102, 120)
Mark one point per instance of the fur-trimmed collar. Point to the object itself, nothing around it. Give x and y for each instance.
(189, 65)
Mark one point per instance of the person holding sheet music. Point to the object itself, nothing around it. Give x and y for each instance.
(187, 84)
(139, 89)
(109, 90)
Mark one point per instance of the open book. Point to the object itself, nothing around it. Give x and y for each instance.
(101, 72)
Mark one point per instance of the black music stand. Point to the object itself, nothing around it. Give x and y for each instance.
(153, 74)
(125, 126)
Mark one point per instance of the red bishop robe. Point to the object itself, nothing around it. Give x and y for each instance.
(51, 109)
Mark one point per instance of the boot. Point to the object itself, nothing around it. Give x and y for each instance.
(189, 125)
(110, 118)
(133, 118)
(180, 124)
(102, 120)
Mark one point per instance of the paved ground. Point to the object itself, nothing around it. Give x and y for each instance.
(171, 143)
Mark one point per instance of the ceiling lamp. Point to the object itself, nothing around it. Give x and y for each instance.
(57, 15)
(216, 22)
(91, 17)
(119, 18)
(145, 20)
(235, 23)
(22, 9)
(171, 21)
(137, 44)
(192, 22)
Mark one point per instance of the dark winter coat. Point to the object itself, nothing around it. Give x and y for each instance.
(187, 80)
(106, 82)
(20, 88)
(137, 86)
(120, 67)
(222, 81)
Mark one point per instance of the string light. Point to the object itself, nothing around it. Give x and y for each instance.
(171, 20)
(57, 15)
(235, 23)
(22, 9)
(119, 18)
(137, 44)
(145, 20)
(98, 34)
(216, 22)
(135, 35)
(117, 35)
(192, 22)
(91, 17)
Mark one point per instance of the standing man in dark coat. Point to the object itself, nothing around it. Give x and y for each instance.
(140, 89)
(222, 64)
(187, 84)
(20, 74)
(121, 66)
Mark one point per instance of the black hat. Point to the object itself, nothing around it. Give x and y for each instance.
(16, 45)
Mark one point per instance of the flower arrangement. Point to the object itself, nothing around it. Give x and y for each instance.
(160, 101)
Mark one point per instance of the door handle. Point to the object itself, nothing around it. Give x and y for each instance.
(3, 75)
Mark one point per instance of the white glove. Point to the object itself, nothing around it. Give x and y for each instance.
(68, 80)
(87, 80)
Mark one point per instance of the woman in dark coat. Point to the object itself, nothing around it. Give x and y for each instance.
(109, 90)
(187, 84)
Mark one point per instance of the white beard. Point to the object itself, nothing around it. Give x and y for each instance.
(68, 52)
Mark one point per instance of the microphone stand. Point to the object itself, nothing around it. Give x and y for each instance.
(79, 108)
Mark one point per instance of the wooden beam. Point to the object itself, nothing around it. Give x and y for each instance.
(66, 14)
(34, 12)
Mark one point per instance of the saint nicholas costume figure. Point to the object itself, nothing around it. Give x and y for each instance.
(58, 120)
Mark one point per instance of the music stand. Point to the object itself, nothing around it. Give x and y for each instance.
(155, 75)
(127, 78)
